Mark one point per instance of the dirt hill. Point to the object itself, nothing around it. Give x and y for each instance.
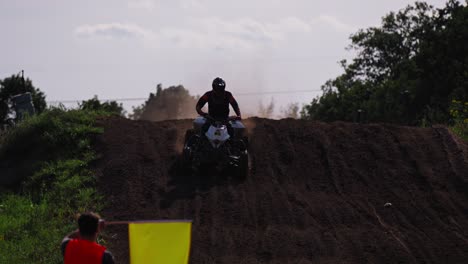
(316, 193)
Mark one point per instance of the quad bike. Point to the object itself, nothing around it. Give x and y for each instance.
(223, 146)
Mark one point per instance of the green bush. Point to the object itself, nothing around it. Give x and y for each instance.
(57, 183)
(53, 134)
(459, 115)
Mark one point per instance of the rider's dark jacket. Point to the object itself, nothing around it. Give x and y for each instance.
(218, 106)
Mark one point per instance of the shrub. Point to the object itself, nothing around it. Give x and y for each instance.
(52, 151)
(459, 115)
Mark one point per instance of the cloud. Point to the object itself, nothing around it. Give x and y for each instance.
(240, 34)
(293, 24)
(112, 30)
(333, 22)
(245, 29)
(244, 34)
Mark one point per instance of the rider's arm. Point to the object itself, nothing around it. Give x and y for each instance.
(201, 102)
(234, 105)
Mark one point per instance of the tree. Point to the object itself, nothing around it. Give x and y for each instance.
(174, 102)
(407, 70)
(291, 111)
(266, 111)
(15, 85)
(108, 106)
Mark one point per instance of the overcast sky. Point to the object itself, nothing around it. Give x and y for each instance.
(73, 50)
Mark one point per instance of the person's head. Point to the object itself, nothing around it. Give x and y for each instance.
(88, 224)
(218, 86)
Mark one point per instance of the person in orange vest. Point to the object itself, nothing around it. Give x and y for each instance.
(80, 246)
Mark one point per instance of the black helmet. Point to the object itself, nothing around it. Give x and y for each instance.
(218, 85)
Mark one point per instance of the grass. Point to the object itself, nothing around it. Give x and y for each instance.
(51, 153)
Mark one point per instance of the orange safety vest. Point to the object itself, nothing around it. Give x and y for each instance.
(79, 251)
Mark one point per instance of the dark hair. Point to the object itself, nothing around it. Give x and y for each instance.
(88, 223)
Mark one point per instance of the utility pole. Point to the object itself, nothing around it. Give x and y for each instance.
(22, 78)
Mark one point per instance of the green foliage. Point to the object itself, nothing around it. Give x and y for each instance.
(174, 102)
(34, 220)
(95, 105)
(407, 70)
(29, 231)
(459, 114)
(49, 136)
(15, 85)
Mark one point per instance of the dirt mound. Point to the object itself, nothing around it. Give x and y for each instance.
(316, 193)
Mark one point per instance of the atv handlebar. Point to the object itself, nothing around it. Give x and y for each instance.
(231, 118)
(235, 118)
(209, 118)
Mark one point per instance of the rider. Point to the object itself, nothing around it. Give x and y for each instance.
(218, 103)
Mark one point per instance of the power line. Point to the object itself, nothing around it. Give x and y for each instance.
(146, 98)
(278, 92)
(80, 100)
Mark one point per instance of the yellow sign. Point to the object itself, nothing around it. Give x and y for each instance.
(2, 237)
(159, 242)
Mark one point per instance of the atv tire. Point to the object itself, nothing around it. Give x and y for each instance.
(243, 168)
(187, 155)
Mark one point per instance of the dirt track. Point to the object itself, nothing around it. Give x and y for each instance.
(315, 194)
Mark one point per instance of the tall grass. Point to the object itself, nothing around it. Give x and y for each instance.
(51, 153)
